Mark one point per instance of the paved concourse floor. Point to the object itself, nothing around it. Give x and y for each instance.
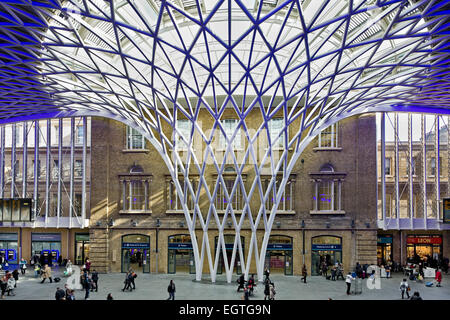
(154, 287)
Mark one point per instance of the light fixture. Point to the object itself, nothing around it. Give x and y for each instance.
(278, 223)
(181, 224)
(328, 225)
(158, 223)
(111, 222)
(229, 224)
(134, 223)
(303, 224)
(98, 223)
(368, 224)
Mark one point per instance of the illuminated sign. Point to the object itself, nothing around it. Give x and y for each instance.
(424, 240)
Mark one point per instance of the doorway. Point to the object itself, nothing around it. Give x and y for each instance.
(82, 248)
(136, 253)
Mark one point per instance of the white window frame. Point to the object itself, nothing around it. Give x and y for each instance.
(334, 137)
(131, 133)
(229, 131)
(274, 133)
(183, 129)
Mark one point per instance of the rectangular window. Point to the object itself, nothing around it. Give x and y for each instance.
(286, 199)
(387, 166)
(230, 126)
(276, 126)
(328, 138)
(78, 169)
(54, 205)
(77, 204)
(135, 140)
(184, 128)
(433, 166)
(55, 169)
(222, 200)
(79, 135)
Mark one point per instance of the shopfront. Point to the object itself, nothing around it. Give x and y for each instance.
(180, 257)
(279, 255)
(47, 246)
(229, 244)
(384, 249)
(9, 247)
(136, 253)
(423, 247)
(325, 249)
(81, 248)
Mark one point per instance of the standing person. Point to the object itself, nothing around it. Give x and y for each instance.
(267, 291)
(171, 289)
(304, 274)
(388, 271)
(87, 285)
(333, 273)
(266, 275)
(272, 291)
(47, 273)
(340, 272)
(3, 285)
(348, 281)
(60, 260)
(11, 284)
(241, 282)
(251, 284)
(404, 288)
(94, 280)
(60, 294)
(23, 265)
(88, 265)
(15, 274)
(109, 297)
(438, 278)
(246, 294)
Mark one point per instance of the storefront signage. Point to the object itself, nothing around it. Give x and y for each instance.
(424, 240)
(82, 237)
(384, 240)
(446, 210)
(135, 245)
(8, 237)
(331, 247)
(45, 237)
(279, 246)
(180, 245)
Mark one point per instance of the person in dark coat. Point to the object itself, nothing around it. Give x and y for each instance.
(127, 282)
(60, 294)
(109, 297)
(60, 259)
(15, 274)
(416, 296)
(171, 289)
(94, 280)
(246, 294)
(304, 274)
(241, 282)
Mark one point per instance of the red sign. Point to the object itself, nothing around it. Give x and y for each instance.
(424, 240)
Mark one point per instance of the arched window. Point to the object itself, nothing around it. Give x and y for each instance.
(135, 190)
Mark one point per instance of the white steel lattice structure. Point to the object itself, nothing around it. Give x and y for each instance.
(150, 63)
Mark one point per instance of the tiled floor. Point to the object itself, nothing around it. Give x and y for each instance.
(154, 287)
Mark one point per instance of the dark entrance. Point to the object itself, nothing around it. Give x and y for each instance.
(326, 249)
(136, 253)
(180, 257)
(81, 248)
(384, 249)
(279, 255)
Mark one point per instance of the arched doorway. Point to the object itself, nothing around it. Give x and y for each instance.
(180, 256)
(325, 249)
(136, 253)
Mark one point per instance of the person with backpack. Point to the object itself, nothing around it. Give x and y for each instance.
(171, 290)
(404, 288)
(94, 281)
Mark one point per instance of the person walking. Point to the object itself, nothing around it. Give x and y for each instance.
(246, 294)
(333, 273)
(109, 297)
(171, 289)
(266, 275)
(94, 281)
(388, 271)
(438, 278)
(404, 288)
(47, 273)
(416, 296)
(241, 282)
(88, 265)
(23, 265)
(348, 281)
(272, 291)
(127, 282)
(60, 294)
(304, 274)
(133, 276)
(251, 284)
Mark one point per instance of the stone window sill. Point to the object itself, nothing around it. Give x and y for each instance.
(335, 212)
(140, 212)
(135, 150)
(180, 212)
(327, 149)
